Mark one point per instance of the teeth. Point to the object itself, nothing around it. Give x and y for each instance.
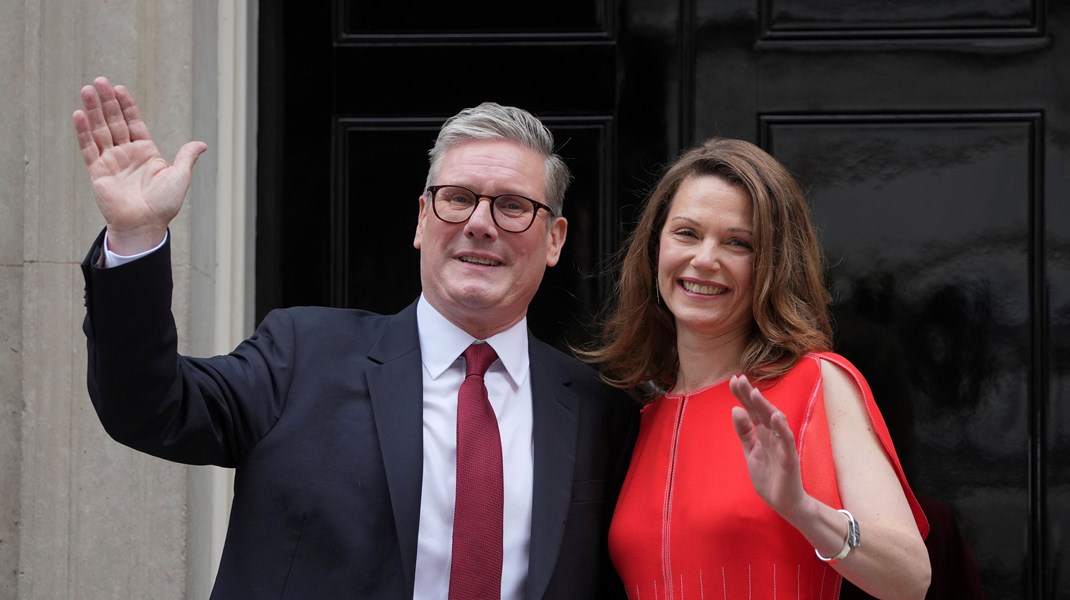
(480, 261)
(708, 290)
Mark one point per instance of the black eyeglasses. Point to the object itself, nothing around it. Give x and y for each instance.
(513, 213)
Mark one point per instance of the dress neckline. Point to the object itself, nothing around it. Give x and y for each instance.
(673, 394)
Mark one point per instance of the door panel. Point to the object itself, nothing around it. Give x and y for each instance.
(546, 19)
(867, 19)
(925, 221)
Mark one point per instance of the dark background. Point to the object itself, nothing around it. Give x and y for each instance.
(931, 137)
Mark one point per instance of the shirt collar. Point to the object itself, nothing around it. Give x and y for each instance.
(441, 342)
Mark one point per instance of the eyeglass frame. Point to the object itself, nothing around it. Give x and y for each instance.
(433, 189)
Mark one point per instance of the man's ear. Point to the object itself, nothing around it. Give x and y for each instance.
(420, 223)
(556, 240)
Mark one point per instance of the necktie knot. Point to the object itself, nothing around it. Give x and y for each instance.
(478, 358)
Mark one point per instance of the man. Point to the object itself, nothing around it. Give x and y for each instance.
(347, 429)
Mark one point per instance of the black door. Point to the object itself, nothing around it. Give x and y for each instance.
(932, 138)
(352, 97)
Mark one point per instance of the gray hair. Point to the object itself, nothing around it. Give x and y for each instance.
(492, 121)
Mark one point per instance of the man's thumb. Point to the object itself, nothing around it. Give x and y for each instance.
(187, 155)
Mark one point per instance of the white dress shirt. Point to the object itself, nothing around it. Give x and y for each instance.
(509, 388)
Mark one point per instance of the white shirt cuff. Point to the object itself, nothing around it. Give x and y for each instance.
(112, 259)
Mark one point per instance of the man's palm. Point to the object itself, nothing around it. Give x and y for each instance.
(135, 186)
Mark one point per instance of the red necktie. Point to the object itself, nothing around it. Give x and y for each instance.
(476, 569)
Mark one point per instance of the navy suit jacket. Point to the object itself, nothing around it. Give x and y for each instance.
(320, 413)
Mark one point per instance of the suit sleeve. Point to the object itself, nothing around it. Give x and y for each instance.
(148, 397)
(624, 430)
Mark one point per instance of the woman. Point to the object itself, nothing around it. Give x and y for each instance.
(721, 301)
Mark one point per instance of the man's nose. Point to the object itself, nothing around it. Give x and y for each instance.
(482, 221)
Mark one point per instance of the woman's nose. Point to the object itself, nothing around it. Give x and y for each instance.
(707, 256)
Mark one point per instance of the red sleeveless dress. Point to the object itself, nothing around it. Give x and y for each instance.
(689, 523)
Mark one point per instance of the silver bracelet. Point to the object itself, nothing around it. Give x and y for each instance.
(853, 540)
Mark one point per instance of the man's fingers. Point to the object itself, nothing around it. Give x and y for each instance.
(137, 127)
(86, 144)
(98, 127)
(113, 114)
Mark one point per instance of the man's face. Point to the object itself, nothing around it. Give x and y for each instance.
(480, 277)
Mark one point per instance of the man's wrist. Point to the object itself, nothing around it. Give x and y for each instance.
(133, 242)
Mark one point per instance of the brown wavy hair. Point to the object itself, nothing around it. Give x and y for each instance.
(637, 344)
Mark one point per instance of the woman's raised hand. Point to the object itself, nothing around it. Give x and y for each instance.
(769, 448)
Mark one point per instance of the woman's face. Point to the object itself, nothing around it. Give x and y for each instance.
(706, 258)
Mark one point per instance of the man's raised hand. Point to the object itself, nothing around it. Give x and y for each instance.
(137, 191)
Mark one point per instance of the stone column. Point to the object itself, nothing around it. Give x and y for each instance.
(12, 196)
(80, 515)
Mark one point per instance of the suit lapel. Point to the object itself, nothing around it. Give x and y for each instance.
(396, 390)
(554, 429)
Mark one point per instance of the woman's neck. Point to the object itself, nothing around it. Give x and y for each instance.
(706, 360)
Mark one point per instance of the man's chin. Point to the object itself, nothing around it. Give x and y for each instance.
(487, 304)
(478, 301)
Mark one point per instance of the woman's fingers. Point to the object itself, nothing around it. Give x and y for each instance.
(760, 409)
(743, 425)
(779, 426)
(769, 424)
